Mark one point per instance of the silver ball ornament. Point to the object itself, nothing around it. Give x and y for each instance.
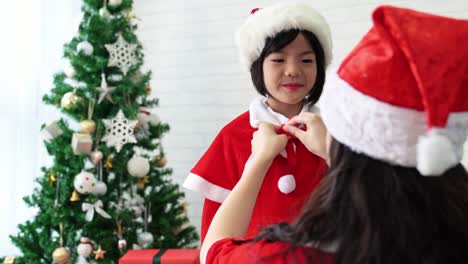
(145, 239)
(85, 47)
(115, 3)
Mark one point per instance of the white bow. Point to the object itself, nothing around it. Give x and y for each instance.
(89, 209)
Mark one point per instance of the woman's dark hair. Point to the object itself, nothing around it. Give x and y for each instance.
(380, 213)
(277, 43)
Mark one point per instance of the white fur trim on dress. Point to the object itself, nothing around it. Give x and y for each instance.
(260, 111)
(381, 130)
(207, 189)
(269, 21)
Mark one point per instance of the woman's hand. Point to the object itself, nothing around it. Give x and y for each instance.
(267, 143)
(315, 136)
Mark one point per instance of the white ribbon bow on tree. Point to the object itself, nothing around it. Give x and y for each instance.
(89, 209)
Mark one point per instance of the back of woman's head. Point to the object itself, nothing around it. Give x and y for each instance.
(374, 212)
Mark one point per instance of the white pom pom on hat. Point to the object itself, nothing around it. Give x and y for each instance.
(269, 21)
(435, 154)
(401, 95)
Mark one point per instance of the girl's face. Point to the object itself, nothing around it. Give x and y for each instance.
(289, 75)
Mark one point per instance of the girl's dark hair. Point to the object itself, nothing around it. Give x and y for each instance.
(380, 213)
(277, 43)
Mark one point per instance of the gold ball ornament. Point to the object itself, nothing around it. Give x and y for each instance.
(88, 126)
(148, 89)
(61, 255)
(70, 100)
(160, 161)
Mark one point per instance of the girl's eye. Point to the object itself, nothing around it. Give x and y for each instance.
(277, 60)
(308, 60)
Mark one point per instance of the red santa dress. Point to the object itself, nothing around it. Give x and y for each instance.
(229, 250)
(292, 177)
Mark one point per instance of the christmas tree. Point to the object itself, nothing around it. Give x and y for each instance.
(108, 189)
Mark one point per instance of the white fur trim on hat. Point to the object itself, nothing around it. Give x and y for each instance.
(269, 21)
(388, 132)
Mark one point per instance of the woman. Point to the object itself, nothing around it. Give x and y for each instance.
(377, 204)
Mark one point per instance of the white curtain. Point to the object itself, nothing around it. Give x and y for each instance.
(33, 33)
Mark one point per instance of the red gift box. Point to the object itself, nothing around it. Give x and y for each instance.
(163, 256)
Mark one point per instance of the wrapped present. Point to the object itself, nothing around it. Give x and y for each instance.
(82, 143)
(9, 260)
(51, 131)
(162, 256)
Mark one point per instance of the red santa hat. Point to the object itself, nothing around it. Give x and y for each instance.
(402, 94)
(269, 21)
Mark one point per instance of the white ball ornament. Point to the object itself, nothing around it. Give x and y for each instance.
(85, 182)
(138, 166)
(115, 3)
(69, 71)
(122, 244)
(85, 47)
(287, 184)
(145, 239)
(104, 13)
(85, 248)
(154, 119)
(101, 188)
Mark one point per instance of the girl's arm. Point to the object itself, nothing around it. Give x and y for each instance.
(233, 217)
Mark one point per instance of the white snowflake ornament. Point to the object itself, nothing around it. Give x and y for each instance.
(122, 54)
(119, 131)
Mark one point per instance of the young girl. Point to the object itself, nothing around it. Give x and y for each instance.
(375, 205)
(286, 47)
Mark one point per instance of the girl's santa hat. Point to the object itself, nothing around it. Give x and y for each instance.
(266, 22)
(402, 94)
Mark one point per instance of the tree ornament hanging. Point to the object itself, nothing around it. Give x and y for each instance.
(138, 166)
(105, 90)
(160, 161)
(115, 3)
(52, 178)
(119, 131)
(108, 163)
(69, 70)
(145, 238)
(85, 248)
(141, 183)
(75, 197)
(84, 182)
(122, 54)
(95, 157)
(51, 131)
(88, 126)
(104, 13)
(70, 100)
(122, 243)
(85, 48)
(99, 253)
(61, 255)
(101, 187)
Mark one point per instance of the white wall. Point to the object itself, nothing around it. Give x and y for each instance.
(189, 46)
